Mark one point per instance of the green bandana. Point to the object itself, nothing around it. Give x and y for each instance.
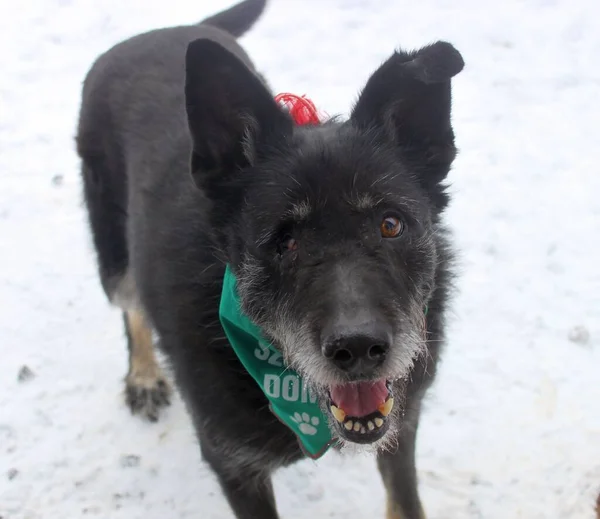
(290, 399)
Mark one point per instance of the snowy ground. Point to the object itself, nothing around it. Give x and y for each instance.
(512, 428)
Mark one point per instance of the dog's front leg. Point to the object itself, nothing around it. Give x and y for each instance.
(400, 478)
(250, 494)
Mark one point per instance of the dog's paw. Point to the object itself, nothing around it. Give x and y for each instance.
(146, 396)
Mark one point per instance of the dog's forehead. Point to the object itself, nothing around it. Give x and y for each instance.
(339, 168)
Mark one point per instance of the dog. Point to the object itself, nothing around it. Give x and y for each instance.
(332, 234)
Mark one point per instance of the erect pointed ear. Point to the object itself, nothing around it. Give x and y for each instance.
(230, 113)
(408, 97)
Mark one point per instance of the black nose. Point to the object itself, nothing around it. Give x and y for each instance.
(358, 352)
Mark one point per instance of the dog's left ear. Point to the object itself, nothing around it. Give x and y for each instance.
(409, 98)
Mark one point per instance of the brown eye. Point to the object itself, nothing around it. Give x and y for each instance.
(391, 227)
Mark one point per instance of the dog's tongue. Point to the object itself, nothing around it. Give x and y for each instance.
(359, 399)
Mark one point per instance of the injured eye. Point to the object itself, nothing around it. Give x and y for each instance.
(287, 244)
(391, 227)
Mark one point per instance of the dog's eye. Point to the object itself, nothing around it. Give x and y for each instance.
(287, 244)
(291, 244)
(391, 227)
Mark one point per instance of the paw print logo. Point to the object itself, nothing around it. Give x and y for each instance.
(307, 424)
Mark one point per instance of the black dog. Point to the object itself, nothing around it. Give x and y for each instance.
(332, 231)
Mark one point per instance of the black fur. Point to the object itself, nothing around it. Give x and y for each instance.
(237, 19)
(157, 108)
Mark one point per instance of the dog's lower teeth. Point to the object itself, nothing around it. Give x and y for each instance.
(386, 408)
(338, 413)
(357, 426)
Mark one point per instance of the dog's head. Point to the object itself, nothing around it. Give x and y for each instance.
(330, 229)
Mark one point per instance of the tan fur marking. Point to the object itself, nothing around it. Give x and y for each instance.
(144, 370)
(394, 512)
(146, 388)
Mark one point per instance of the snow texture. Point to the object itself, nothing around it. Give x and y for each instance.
(512, 426)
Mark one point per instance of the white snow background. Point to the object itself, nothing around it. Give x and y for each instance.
(511, 428)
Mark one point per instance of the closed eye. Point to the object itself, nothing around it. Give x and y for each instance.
(286, 244)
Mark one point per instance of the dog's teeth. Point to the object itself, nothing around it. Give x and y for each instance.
(370, 425)
(386, 408)
(363, 430)
(348, 425)
(338, 413)
(378, 422)
(356, 427)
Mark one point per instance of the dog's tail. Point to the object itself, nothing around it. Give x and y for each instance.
(237, 19)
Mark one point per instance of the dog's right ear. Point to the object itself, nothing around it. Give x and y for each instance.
(230, 112)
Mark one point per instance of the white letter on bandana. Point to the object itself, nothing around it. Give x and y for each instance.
(272, 387)
(291, 389)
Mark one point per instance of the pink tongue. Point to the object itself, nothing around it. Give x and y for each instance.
(359, 399)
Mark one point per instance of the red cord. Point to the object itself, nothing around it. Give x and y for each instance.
(302, 109)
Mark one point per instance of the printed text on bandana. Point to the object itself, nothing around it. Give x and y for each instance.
(289, 387)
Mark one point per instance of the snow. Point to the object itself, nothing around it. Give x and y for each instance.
(512, 426)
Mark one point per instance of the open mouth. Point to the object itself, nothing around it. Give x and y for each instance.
(362, 409)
